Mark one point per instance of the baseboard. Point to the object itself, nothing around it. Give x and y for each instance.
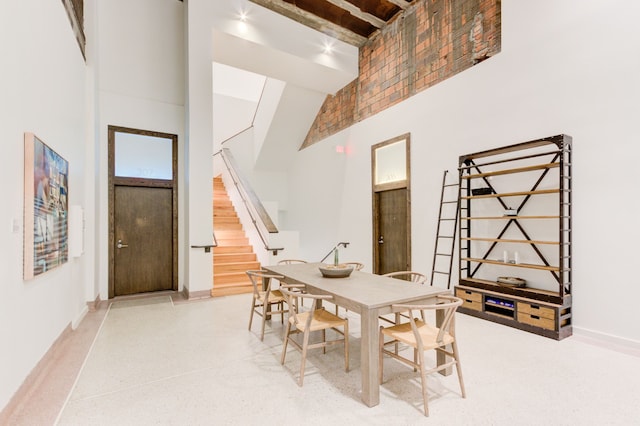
(34, 378)
(191, 295)
(93, 306)
(616, 343)
(76, 322)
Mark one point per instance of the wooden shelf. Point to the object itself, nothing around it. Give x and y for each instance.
(498, 288)
(544, 183)
(517, 265)
(506, 240)
(511, 171)
(512, 194)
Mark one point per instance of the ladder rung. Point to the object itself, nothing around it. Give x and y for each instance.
(444, 254)
(440, 272)
(444, 236)
(449, 218)
(451, 184)
(449, 202)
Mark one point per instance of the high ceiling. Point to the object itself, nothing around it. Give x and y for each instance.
(351, 21)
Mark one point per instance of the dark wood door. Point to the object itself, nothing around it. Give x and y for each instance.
(392, 252)
(143, 239)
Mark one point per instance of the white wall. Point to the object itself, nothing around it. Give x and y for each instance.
(141, 72)
(42, 90)
(566, 66)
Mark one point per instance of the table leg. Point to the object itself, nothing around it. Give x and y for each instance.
(369, 357)
(440, 357)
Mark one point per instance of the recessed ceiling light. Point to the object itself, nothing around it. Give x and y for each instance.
(243, 16)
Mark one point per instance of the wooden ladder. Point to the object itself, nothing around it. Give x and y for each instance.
(446, 232)
(234, 255)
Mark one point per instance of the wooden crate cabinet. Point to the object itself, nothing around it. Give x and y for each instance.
(498, 220)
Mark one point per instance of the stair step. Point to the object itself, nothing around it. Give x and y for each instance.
(231, 233)
(223, 206)
(240, 248)
(228, 219)
(235, 267)
(231, 290)
(221, 227)
(233, 258)
(232, 241)
(227, 278)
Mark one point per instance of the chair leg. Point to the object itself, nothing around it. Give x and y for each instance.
(397, 319)
(305, 344)
(423, 380)
(459, 368)
(264, 318)
(253, 307)
(324, 340)
(346, 347)
(285, 342)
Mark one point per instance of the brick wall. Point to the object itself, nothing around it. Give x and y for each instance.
(431, 41)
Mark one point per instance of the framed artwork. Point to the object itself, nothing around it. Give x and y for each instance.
(45, 208)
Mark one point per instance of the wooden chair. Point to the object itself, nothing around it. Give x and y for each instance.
(357, 266)
(410, 276)
(414, 277)
(290, 261)
(421, 336)
(264, 301)
(314, 319)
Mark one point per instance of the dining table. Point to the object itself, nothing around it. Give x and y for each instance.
(369, 295)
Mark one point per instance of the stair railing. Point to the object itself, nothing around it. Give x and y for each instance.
(258, 214)
(207, 247)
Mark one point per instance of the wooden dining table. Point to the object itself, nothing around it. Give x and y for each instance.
(368, 295)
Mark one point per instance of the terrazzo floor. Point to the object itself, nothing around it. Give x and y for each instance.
(159, 362)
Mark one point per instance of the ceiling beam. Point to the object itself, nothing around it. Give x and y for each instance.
(313, 21)
(358, 13)
(400, 3)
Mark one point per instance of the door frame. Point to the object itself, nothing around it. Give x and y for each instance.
(114, 181)
(377, 188)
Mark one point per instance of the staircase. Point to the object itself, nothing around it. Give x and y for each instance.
(234, 255)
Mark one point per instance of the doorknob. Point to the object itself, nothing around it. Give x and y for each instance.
(381, 240)
(120, 245)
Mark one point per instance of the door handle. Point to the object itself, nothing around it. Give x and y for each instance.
(381, 240)
(120, 245)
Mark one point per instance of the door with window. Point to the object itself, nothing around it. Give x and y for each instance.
(391, 206)
(142, 211)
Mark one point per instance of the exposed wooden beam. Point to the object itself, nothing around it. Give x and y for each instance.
(313, 21)
(358, 13)
(400, 3)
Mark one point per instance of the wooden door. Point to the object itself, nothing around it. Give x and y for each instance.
(143, 240)
(391, 247)
(143, 211)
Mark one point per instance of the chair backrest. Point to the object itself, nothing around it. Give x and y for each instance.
(415, 277)
(357, 266)
(294, 298)
(447, 304)
(257, 279)
(290, 261)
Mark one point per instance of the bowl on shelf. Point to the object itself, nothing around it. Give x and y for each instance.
(336, 271)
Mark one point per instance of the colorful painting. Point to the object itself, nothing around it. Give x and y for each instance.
(45, 208)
